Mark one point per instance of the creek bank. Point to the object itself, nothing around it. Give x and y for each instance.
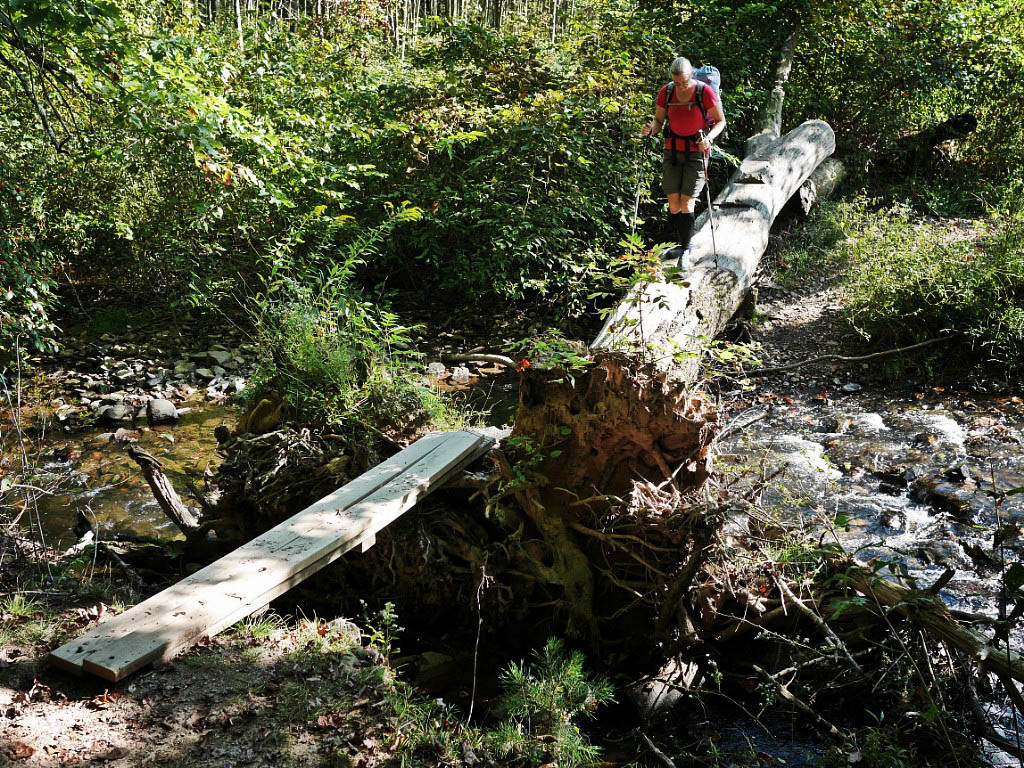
(140, 379)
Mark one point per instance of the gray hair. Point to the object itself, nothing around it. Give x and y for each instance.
(680, 65)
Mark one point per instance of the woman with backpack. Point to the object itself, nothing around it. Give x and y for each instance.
(691, 112)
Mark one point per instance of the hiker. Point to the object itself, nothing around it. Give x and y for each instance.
(682, 170)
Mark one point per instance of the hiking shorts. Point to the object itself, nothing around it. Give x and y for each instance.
(686, 178)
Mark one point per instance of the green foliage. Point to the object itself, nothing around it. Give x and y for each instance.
(19, 605)
(543, 703)
(383, 630)
(27, 264)
(189, 161)
(552, 350)
(813, 247)
(885, 747)
(334, 354)
(915, 279)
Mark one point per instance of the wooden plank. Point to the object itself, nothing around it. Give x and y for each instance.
(70, 655)
(255, 566)
(141, 642)
(255, 573)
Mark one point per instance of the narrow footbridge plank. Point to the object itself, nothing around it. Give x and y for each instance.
(254, 574)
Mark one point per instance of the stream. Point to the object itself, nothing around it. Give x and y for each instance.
(922, 477)
(89, 472)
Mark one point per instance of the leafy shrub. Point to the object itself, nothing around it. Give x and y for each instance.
(27, 266)
(337, 357)
(913, 279)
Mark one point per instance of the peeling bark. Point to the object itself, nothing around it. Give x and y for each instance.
(672, 317)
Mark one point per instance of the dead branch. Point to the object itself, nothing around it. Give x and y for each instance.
(164, 492)
(665, 759)
(788, 695)
(134, 578)
(988, 731)
(771, 118)
(928, 612)
(819, 622)
(844, 358)
(508, 362)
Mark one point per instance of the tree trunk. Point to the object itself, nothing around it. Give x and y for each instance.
(674, 315)
(771, 119)
(821, 184)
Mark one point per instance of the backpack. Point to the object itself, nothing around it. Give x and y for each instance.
(703, 77)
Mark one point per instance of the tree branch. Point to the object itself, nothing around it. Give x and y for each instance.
(844, 358)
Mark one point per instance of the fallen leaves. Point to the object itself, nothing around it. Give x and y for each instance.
(19, 750)
(104, 700)
(91, 614)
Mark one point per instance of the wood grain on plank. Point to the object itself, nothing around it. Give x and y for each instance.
(252, 575)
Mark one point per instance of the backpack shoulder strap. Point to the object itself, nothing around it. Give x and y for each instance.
(698, 96)
(669, 91)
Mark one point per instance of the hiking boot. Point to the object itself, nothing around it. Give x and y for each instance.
(682, 256)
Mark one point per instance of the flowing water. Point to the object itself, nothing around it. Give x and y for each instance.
(90, 473)
(923, 479)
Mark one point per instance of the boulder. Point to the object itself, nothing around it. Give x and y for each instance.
(160, 411)
(114, 415)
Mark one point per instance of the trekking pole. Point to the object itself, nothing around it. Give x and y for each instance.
(711, 210)
(639, 185)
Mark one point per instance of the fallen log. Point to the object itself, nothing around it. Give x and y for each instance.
(926, 610)
(183, 517)
(918, 150)
(670, 317)
(821, 184)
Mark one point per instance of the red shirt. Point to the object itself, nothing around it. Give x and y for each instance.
(686, 119)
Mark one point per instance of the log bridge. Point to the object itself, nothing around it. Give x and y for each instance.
(247, 579)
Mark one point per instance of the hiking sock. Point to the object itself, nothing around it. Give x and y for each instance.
(684, 228)
(673, 227)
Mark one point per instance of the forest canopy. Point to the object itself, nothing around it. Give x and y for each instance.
(203, 147)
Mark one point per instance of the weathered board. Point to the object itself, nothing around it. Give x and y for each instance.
(250, 577)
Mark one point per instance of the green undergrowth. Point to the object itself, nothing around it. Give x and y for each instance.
(909, 276)
(335, 353)
(339, 679)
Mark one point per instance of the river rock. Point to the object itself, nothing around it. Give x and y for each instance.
(113, 415)
(836, 424)
(945, 496)
(868, 424)
(959, 473)
(183, 367)
(126, 436)
(160, 411)
(205, 373)
(461, 373)
(944, 553)
(436, 369)
(940, 428)
(218, 356)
